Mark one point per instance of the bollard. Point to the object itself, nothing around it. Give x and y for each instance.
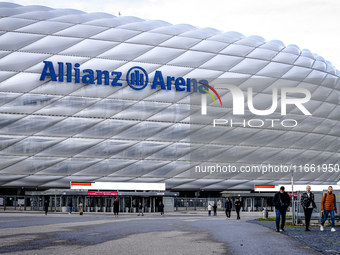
(265, 213)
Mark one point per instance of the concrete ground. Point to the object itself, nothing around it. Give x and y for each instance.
(175, 233)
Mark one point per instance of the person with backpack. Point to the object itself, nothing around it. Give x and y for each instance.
(281, 202)
(228, 206)
(308, 204)
(328, 206)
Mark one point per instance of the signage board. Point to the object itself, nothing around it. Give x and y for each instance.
(102, 193)
(118, 186)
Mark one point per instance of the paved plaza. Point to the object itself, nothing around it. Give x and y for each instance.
(175, 233)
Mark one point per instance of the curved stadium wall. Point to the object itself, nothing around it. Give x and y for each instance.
(56, 131)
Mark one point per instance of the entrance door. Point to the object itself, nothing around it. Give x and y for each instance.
(157, 200)
(109, 204)
(248, 204)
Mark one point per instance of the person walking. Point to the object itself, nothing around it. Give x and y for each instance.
(238, 208)
(215, 209)
(81, 211)
(328, 206)
(140, 207)
(116, 207)
(70, 206)
(228, 206)
(161, 208)
(281, 202)
(308, 204)
(46, 207)
(209, 209)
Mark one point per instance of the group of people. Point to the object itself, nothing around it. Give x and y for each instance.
(281, 202)
(160, 209)
(70, 206)
(328, 206)
(214, 207)
(80, 206)
(228, 205)
(115, 208)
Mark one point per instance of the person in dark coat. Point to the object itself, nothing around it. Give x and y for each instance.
(215, 209)
(70, 206)
(238, 207)
(140, 208)
(308, 204)
(46, 207)
(161, 208)
(281, 202)
(116, 207)
(228, 206)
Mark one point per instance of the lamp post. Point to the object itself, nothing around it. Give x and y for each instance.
(293, 206)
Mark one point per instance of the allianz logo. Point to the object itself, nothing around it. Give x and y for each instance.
(137, 78)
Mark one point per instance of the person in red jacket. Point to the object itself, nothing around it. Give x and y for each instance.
(328, 205)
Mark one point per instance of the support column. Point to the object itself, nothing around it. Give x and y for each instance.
(143, 204)
(85, 203)
(131, 209)
(77, 204)
(51, 204)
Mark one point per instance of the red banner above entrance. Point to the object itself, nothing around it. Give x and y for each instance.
(102, 193)
(290, 194)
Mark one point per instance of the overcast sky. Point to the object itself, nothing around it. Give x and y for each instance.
(310, 24)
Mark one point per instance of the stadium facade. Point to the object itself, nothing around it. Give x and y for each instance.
(72, 107)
